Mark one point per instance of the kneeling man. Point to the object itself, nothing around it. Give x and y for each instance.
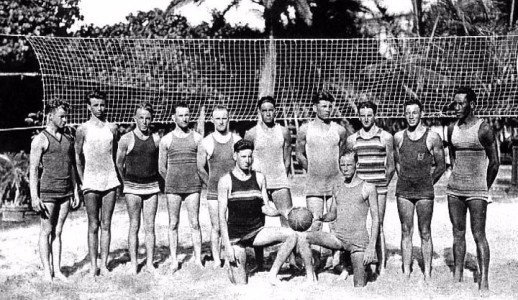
(243, 204)
(350, 206)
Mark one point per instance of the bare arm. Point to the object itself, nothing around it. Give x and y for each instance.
(162, 156)
(331, 214)
(266, 208)
(287, 149)
(398, 140)
(300, 147)
(224, 187)
(115, 131)
(38, 146)
(78, 149)
(201, 160)
(438, 155)
(122, 150)
(250, 135)
(343, 140)
(370, 193)
(389, 146)
(450, 145)
(76, 199)
(487, 139)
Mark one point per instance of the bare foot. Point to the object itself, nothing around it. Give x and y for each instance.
(174, 267)
(150, 269)
(60, 276)
(274, 280)
(133, 270)
(217, 263)
(47, 277)
(94, 271)
(343, 276)
(311, 278)
(104, 271)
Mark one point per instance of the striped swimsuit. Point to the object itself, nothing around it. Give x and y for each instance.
(372, 158)
(141, 172)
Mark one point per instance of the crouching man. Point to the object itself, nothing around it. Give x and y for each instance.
(243, 204)
(350, 206)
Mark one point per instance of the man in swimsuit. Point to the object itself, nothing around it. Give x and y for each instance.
(319, 144)
(418, 151)
(95, 148)
(375, 148)
(243, 204)
(216, 151)
(352, 200)
(177, 164)
(272, 156)
(56, 191)
(137, 161)
(475, 165)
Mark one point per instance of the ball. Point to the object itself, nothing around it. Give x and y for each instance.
(300, 219)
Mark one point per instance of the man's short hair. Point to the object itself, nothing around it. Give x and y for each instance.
(54, 104)
(368, 104)
(266, 99)
(219, 107)
(413, 101)
(146, 106)
(243, 145)
(470, 94)
(322, 95)
(351, 152)
(181, 104)
(95, 94)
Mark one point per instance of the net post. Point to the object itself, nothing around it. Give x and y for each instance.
(514, 168)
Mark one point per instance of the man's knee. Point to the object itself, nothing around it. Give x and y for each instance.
(425, 234)
(458, 233)
(106, 225)
(407, 230)
(46, 231)
(195, 224)
(317, 226)
(479, 236)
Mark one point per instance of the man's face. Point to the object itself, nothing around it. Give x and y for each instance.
(182, 117)
(323, 109)
(462, 106)
(220, 120)
(413, 115)
(244, 159)
(367, 117)
(348, 166)
(267, 111)
(143, 119)
(97, 107)
(59, 117)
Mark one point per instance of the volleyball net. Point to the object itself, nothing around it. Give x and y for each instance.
(237, 72)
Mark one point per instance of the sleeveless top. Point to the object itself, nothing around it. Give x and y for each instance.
(351, 215)
(99, 174)
(415, 178)
(269, 156)
(244, 207)
(142, 161)
(220, 163)
(323, 160)
(469, 174)
(372, 158)
(56, 178)
(182, 171)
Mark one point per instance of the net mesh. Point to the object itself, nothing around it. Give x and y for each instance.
(236, 72)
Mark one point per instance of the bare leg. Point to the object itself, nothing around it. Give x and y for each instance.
(215, 240)
(237, 271)
(406, 217)
(134, 206)
(305, 252)
(56, 238)
(47, 224)
(150, 206)
(477, 212)
(316, 207)
(282, 200)
(381, 247)
(360, 276)
(108, 205)
(457, 210)
(324, 239)
(174, 203)
(93, 206)
(424, 210)
(193, 209)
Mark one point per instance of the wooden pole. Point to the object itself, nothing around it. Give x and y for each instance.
(514, 168)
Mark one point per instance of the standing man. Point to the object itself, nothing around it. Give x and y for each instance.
(375, 148)
(95, 148)
(475, 163)
(217, 151)
(243, 204)
(52, 197)
(177, 164)
(319, 144)
(272, 157)
(352, 200)
(137, 161)
(418, 149)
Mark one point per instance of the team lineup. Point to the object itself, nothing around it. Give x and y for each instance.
(247, 179)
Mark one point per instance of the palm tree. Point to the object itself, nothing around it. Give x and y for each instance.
(14, 181)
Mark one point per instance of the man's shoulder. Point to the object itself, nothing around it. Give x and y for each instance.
(39, 140)
(166, 140)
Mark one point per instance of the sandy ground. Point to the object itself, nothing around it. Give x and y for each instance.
(20, 271)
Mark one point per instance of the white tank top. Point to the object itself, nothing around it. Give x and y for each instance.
(269, 156)
(99, 174)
